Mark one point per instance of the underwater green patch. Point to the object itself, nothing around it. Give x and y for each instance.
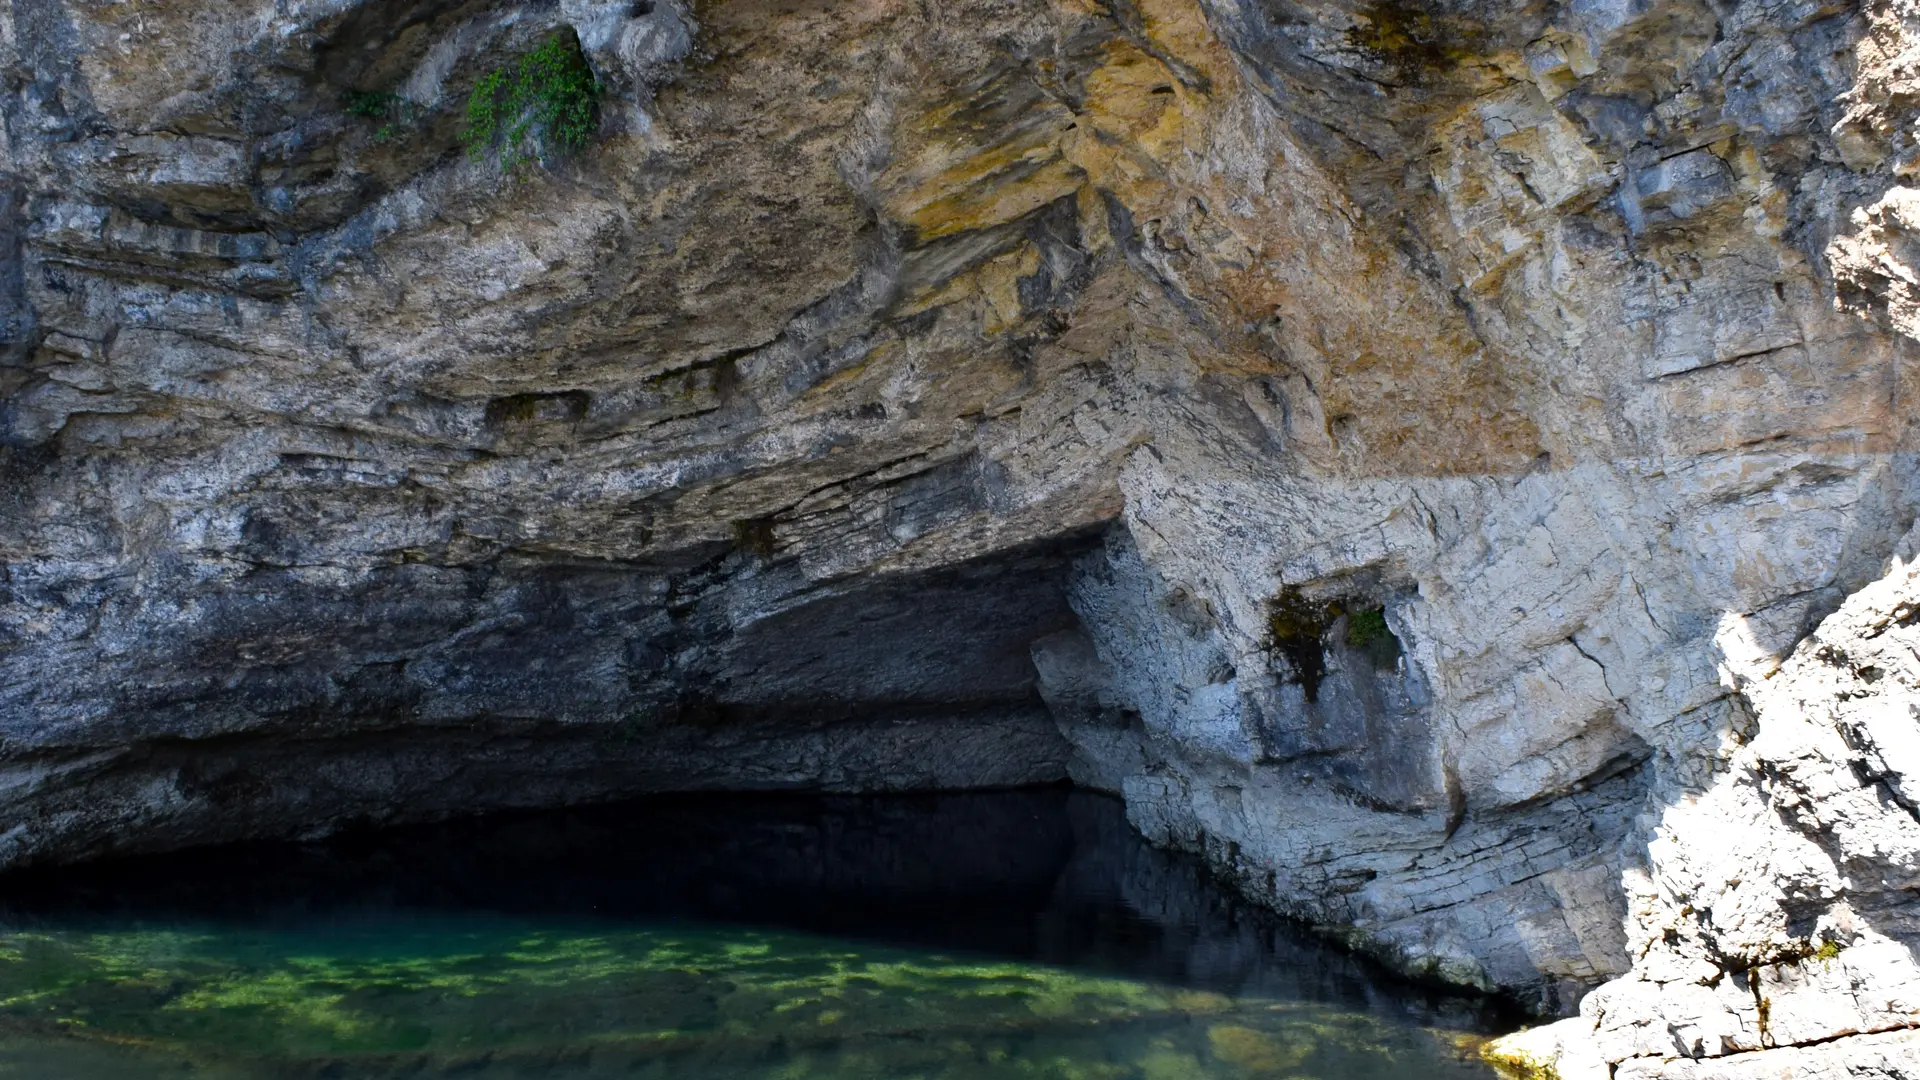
(496, 997)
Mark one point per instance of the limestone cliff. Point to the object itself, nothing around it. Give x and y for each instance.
(1395, 445)
(1774, 910)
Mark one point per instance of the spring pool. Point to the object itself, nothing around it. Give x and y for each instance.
(997, 935)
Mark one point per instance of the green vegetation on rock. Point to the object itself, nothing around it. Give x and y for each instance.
(1368, 632)
(1366, 627)
(1299, 625)
(547, 101)
(394, 112)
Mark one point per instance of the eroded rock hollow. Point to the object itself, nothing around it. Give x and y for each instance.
(1446, 461)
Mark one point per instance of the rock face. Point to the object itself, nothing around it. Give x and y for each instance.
(1395, 445)
(1775, 907)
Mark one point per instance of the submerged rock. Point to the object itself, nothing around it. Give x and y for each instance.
(1399, 447)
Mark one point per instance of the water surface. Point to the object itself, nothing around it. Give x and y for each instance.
(959, 937)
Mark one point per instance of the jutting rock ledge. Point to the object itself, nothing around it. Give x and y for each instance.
(1450, 462)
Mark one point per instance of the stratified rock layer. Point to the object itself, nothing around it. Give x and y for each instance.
(1775, 907)
(1391, 444)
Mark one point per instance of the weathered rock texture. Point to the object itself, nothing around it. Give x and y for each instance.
(1775, 908)
(1390, 443)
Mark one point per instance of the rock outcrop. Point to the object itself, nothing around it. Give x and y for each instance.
(1398, 446)
(1774, 910)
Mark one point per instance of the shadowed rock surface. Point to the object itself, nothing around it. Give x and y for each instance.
(1348, 431)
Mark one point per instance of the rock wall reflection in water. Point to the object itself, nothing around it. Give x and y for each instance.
(979, 935)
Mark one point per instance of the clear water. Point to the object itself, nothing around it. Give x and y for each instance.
(971, 937)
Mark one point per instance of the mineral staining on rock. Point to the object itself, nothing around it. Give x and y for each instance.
(903, 396)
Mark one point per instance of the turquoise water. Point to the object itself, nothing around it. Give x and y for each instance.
(472, 953)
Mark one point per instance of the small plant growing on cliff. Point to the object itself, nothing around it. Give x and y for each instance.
(547, 100)
(1366, 627)
(394, 112)
(1367, 631)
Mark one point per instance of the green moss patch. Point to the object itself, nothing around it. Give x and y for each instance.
(1299, 628)
(1368, 632)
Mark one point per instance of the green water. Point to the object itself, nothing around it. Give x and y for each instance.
(389, 988)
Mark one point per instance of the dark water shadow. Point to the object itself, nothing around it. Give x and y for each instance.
(1053, 876)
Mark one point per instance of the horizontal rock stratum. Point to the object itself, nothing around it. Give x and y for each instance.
(1446, 461)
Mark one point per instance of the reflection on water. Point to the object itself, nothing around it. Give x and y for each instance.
(974, 936)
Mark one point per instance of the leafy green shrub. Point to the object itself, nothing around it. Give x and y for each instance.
(393, 111)
(1366, 627)
(1368, 631)
(370, 103)
(548, 99)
